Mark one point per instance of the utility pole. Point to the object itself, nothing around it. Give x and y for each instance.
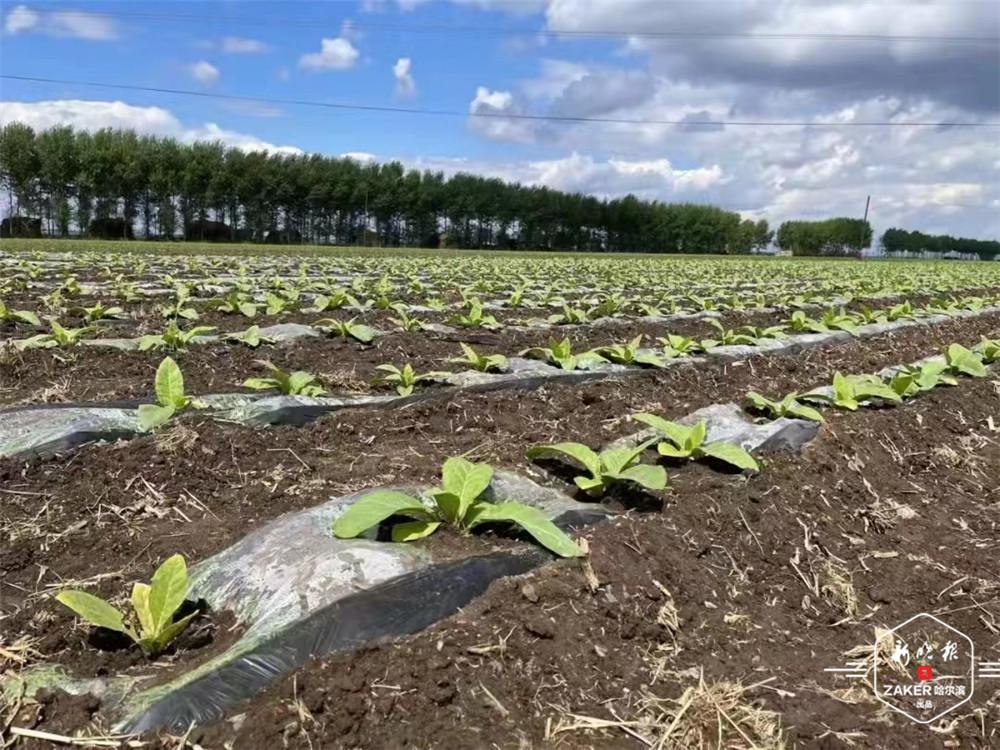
(861, 240)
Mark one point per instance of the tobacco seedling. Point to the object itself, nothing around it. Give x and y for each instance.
(850, 391)
(804, 324)
(179, 308)
(154, 606)
(237, 302)
(629, 354)
(170, 397)
(475, 317)
(459, 502)
(836, 320)
(989, 349)
(610, 466)
(965, 361)
(97, 312)
(333, 301)
(560, 353)
(58, 337)
(297, 383)
(349, 329)
(405, 321)
(7, 315)
(250, 337)
(679, 346)
(569, 316)
(681, 441)
(406, 379)
(277, 304)
(727, 337)
(789, 407)
(172, 338)
(914, 379)
(480, 362)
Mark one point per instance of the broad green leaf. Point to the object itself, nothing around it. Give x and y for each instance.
(449, 506)
(731, 454)
(412, 530)
(362, 333)
(696, 437)
(649, 476)
(760, 403)
(670, 451)
(965, 361)
(155, 643)
(152, 416)
(466, 480)
(375, 507)
(298, 380)
(93, 609)
(805, 412)
(576, 451)
(169, 383)
(614, 460)
(590, 485)
(532, 520)
(675, 433)
(167, 590)
(140, 605)
(260, 384)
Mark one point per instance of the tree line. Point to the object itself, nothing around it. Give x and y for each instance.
(899, 241)
(117, 183)
(838, 236)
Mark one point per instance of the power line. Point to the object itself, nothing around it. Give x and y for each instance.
(549, 32)
(497, 115)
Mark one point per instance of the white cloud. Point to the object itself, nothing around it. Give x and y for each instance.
(487, 108)
(95, 115)
(238, 45)
(60, 23)
(402, 71)
(334, 54)
(204, 73)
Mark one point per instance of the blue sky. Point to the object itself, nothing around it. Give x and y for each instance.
(384, 53)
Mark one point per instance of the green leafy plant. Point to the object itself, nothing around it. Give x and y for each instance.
(172, 337)
(475, 317)
(335, 300)
(237, 302)
(480, 362)
(965, 361)
(727, 337)
(914, 379)
(610, 466)
(297, 383)
(405, 379)
(789, 407)
(154, 607)
(347, 329)
(459, 502)
(405, 321)
(989, 349)
(849, 391)
(681, 441)
(802, 323)
(59, 336)
(838, 320)
(7, 315)
(179, 307)
(629, 354)
(170, 397)
(569, 316)
(96, 312)
(250, 337)
(560, 353)
(678, 346)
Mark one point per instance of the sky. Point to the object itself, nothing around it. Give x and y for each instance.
(803, 64)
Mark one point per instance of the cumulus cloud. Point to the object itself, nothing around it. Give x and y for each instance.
(334, 54)
(488, 109)
(95, 115)
(402, 71)
(204, 73)
(60, 23)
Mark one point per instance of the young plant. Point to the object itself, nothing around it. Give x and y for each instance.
(480, 362)
(849, 391)
(989, 349)
(680, 441)
(727, 337)
(358, 331)
(838, 320)
(802, 323)
(154, 606)
(405, 380)
(250, 337)
(459, 502)
(475, 317)
(97, 312)
(58, 337)
(405, 321)
(560, 353)
(179, 307)
(678, 346)
(629, 354)
(170, 397)
(7, 315)
(610, 466)
(915, 379)
(569, 316)
(335, 300)
(280, 303)
(789, 407)
(965, 361)
(237, 303)
(298, 383)
(172, 338)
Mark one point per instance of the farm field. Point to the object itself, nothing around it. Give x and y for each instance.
(486, 499)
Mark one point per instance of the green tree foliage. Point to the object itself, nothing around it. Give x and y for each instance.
(159, 187)
(898, 241)
(839, 236)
